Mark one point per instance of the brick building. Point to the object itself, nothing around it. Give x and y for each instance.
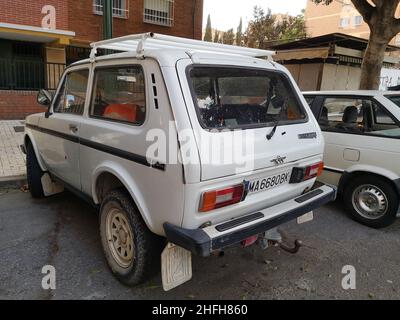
(38, 38)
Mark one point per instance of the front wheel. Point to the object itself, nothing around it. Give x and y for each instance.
(33, 173)
(131, 250)
(372, 201)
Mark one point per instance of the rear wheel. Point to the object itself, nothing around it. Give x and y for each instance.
(34, 173)
(371, 200)
(131, 250)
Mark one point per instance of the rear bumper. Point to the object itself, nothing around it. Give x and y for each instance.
(216, 237)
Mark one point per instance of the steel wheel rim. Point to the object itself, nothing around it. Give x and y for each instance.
(370, 202)
(120, 238)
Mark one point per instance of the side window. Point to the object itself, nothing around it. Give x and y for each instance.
(310, 100)
(343, 114)
(119, 94)
(381, 116)
(382, 124)
(315, 108)
(72, 95)
(357, 115)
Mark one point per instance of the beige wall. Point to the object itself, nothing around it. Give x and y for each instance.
(340, 77)
(306, 75)
(318, 76)
(321, 19)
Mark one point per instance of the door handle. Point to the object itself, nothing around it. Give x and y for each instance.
(73, 128)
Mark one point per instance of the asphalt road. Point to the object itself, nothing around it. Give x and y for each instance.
(63, 231)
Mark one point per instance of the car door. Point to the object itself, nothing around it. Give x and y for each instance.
(358, 131)
(59, 139)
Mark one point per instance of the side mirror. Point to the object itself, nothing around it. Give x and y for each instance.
(44, 97)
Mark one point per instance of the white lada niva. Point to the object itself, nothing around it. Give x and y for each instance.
(183, 146)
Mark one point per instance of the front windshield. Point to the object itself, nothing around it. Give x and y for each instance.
(239, 98)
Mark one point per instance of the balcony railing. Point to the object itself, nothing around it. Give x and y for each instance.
(29, 75)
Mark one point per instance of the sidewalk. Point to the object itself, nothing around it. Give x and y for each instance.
(12, 160)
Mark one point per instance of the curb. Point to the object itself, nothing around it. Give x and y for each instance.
(13, 181)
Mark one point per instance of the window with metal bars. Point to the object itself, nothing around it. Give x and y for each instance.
(119, 9)
(159, 12)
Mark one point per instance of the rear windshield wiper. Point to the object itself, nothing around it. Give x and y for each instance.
(276, 122)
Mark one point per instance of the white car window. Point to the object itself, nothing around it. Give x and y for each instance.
(119, 94)
(238, 98)
(72, 95)
(357, 116)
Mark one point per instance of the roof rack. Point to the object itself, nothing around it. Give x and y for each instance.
(139, 42)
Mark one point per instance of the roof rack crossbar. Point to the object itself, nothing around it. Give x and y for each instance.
(140, 42)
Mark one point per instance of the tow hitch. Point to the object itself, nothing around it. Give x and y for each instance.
(273, 238)
(295, 249)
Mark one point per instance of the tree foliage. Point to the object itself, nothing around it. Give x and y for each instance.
(266, 29)
(228, 37)
(208, 33)
(293, 28)
(217, 38)
(261, 29)
(239, 33)
(380, 15)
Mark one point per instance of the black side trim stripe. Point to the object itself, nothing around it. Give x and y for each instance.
(333, 170)
(54, 133)
(102, 147)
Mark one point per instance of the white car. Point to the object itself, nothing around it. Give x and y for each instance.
(362, 151)
(147, 135)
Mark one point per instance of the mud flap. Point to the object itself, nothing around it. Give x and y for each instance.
(176, 266)
(49, 186)
(309, 216)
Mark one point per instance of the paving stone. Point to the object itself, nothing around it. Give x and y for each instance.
(12, 160)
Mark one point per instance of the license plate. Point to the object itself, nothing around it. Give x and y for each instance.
(270, 182)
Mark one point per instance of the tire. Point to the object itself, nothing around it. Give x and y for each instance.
(138, 258)
(371, 200)
(34, 173)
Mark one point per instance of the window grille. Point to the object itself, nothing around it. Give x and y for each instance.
(159, 12)
(119, 9)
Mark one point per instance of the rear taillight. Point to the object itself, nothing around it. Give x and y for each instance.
(306, 173)
(215, 199)
(314, 171)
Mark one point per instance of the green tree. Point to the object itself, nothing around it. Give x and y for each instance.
(208, 33)
(380, 15)
(239, 33)
(266, 29)
(228, 37)
(261, 30)
(217, 37)
(293, 28)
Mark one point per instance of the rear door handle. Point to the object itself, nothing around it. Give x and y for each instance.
(73, 128)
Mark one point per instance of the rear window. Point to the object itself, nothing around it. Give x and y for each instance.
(241, 98)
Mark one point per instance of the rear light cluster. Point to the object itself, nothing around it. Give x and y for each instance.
(306, 173)
(221, 198)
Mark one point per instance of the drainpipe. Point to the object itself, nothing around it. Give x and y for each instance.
(107, 19)
(194, 18)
